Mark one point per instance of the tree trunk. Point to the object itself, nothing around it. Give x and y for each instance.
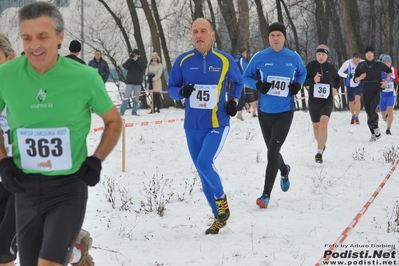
(229, 16)
(293, 28)
(136, 25)
(167, 101)
(263, 24)
(371, 26)
(338, 43)
(153, 29)
(161, 36)
(213, 20)
(243, 24)
(322, 16)
(198, 9)
(339, 46)
(280, 17)
(388, 10)
(351, 23)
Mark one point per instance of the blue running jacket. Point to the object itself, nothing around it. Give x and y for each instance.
(210, 72)
(280, 68)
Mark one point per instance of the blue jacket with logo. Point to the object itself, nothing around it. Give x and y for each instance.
(210, 72)
(280, 68)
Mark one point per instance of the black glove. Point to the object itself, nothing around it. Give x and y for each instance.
(11, 175)
(263, 87)
(187, 90)
(90, 170)
(294, 88)
(231, 108)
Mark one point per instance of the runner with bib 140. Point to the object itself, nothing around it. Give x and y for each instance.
(278, 74)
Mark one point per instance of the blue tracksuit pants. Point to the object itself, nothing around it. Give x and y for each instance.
(204, 146)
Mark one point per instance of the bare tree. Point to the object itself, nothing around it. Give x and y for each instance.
(156, 42)
(118, 22)
(338, 40)
(293, 27)
(351, 23)
(198, 11)
(213, 19)
(371, 25)
(243, 24)
(161, 36)
(280, 17)
(322, 16)
(263, 23)
(388, 10)
(136, 25)
(229, 15)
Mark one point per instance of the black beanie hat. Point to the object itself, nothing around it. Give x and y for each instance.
(276, 26)
(369, 48)
(75, 46)
(136, 51)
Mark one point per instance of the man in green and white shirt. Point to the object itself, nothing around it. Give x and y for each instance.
(48, 99)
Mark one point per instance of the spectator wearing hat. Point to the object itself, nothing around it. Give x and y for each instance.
(74, 49)
(135, 67)
(323, 81)
(153, 75)
(387, 101)
(278, 74)
(369, 73)
(102, 65)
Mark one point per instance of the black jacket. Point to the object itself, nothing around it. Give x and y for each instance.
(329, 75)
(102, 67)
(371, 84)
(74, 57)
(135, 71)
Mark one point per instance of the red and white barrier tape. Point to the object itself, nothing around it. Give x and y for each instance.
(144, 123)
(355, 220)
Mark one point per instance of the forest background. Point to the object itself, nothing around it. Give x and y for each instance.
(116, 27)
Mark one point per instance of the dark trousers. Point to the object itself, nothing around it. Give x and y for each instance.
(157, 100)
(275, 128)
(8, 247)
(371, 102)
(241, 101)
(49, 215)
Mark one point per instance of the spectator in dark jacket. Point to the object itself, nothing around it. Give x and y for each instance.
(135, 67)
(74, 49)
(102, 65)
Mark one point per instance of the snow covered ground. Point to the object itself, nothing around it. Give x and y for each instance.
(298, 227)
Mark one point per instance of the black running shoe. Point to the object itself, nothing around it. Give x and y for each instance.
(319, 158)
(388, 132)
(377, 133)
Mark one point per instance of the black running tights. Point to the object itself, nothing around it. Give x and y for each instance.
(275, 129)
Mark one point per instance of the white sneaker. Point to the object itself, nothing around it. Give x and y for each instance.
(373, 138)
(83, 243)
